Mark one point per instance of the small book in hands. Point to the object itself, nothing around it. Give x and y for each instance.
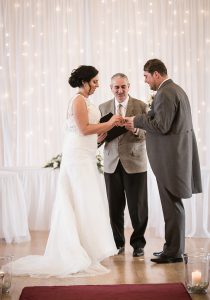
(112, 133)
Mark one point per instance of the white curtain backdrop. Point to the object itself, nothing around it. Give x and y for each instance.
(41, 41)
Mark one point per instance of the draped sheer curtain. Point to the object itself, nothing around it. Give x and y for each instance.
(42, 41)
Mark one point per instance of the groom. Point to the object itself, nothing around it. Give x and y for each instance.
(125, 169)
(173, 155)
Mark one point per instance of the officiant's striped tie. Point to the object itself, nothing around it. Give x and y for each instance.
(120, 110)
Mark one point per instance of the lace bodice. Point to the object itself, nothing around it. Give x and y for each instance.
(93, 116)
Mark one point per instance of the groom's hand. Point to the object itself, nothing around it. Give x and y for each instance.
(129, 123)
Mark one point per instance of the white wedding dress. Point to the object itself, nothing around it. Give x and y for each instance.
(80, 235)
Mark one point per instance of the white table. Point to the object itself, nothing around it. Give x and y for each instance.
(39, 186)
(197, 208)
(13, 211)
(28, 194)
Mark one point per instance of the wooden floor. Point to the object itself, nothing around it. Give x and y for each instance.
(124, 268)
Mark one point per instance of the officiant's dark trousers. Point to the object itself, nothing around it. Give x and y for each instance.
(120, 187)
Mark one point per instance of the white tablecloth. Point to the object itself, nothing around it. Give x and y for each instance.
(39, 185)
(13, 211)
(197, 208)
(27, 196)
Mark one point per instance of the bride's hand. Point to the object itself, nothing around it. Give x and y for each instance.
(115, 120)
(122, 122)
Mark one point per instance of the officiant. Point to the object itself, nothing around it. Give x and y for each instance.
(125, 168)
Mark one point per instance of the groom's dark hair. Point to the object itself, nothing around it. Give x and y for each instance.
(155, 64)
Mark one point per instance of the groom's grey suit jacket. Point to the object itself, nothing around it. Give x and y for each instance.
(129, 148)
(171, 143)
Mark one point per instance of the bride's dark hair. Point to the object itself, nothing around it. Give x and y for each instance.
(82, 74)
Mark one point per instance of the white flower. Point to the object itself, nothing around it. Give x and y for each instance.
(55, 164)
(56, 161)
(150, 98)
(99, 162)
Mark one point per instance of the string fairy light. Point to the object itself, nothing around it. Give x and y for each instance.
(17, 5)
(123, 35)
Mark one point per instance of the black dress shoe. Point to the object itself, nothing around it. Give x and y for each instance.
(157, 253)
(138, 252)
(121, 250)
(164, 259)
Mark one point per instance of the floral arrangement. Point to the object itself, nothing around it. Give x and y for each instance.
(99, 162)
(56, 161)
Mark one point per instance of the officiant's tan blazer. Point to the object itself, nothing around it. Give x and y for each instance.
(129, 148)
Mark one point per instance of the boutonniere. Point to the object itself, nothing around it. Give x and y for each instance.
(150, 98)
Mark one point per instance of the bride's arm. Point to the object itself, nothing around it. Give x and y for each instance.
(80, 114)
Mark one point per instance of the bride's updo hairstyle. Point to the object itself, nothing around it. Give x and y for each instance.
(82, 74)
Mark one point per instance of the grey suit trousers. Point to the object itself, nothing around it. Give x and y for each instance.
(174, 217)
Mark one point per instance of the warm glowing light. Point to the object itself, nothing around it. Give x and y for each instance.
(17, 5)
(196, 277)
(125, 42)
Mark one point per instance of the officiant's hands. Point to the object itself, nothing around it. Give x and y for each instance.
(101, 137)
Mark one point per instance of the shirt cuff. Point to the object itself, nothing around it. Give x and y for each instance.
(136, 131)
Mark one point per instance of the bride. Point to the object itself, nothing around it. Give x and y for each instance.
(80, 236)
